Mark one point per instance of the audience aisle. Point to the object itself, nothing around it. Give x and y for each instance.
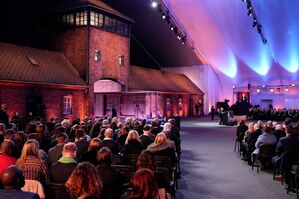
(211, 169)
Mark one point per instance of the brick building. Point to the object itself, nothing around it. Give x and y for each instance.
(95, 40)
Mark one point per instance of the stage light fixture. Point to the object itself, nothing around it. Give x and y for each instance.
(249, 13)
(286, 89)
(171, 27)
(183, 39)
(163, 16)
(265, 41)
(179, 37)
(278, 89)
(258, 90)
(271, 90)
(293, 85)
(234, 87)
(154, 4)
(264, 86)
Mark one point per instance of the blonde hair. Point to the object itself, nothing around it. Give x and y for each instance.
(160, 138)
(133, 135)
(30, 148)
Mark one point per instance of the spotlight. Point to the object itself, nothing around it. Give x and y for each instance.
(234, 87)
(254, 24)
(179, 37)
(258, 90)
(293, 84)
(286, 89)
(265, 41)
(171, 27)
(183, 39)
(271, 90)
(249, 13)
(163, 16)
(249, 6)
(278, 89)
(244, 1)
(264, 86)
(154, 4)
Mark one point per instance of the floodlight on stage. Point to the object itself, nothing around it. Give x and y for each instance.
(271, 90)
(154, 4)
(286, 89)
(258, 90)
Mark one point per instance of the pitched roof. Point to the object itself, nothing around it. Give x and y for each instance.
(64, 5)
(147, 79)
(30, 65)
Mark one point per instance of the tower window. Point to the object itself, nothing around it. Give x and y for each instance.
(81, 18)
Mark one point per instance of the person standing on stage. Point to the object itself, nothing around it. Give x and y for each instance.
(212, 112)
(221, 115)
(196, 109)
(114, 112)
(4, 117)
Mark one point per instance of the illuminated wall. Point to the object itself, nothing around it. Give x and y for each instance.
(223, 33)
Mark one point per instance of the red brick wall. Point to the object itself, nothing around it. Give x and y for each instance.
(72, 43)
(15, 98)
(111, 46)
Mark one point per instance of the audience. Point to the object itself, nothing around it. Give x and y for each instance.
(108, 141)
(133, 144)
(56, 152)
(147, 138)
(93, 148)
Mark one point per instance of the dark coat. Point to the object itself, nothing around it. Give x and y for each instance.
(60, 172)
(82, 146)
(113, 146)
(17, 194)
(133, 147)
(55, 153)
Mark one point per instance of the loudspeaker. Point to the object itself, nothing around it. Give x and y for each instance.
(249, 86)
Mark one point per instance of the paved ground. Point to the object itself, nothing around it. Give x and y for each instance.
(211, 169)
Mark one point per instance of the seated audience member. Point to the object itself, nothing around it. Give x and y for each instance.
(289, 143)
(147, 138)
(82, 144)
(93, 148)
(95, 129)
(172, 139)
(34, 168)
(56, 152)
(267, 137)
(241, 129)
(279, 132)
(253, 137)
(161, 147)
(57, 132)
(84, 182)
(129, 123)
(244, 146)
(111, 178)
(133, 144)
(137, 127)
(155, 128)
(6, 159)
(123, 134)
(146, 160)
(13, 180)
(108, 142)
(61, 170)
(20, 140)
(43, 140)
(144, 186)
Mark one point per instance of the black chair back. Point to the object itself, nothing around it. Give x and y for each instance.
(56, 191)
(267, 150)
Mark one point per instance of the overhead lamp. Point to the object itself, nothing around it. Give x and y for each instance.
(234, 87)
(163, 16)
(171, 27)
(154, 4)
(179, 37)
(278, 89)
(258, 90)
(183, 39)
(249, 13)
(286, 89)
(265, 41)
(293, 84)
(264, 86)
(244, 1)
(271, 90)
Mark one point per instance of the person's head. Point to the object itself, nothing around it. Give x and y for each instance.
(84, 181)
(59, 130)
(3, 107)
(256, 126)
(66, 123)
(128, 120)
(147, 129)
(133, 135)
(95, 144)
(146, 160)
(12, 178)
(2, 127)
(251, 126)
(41, 130)
(287, 121)
(167, 127)
(290, 130)
(269, 123)
(260, 122)
(242, 123)
(30, 148)
(172, 121)
(108, 133)
(144, 184)
(114, 120)
(62, 138)
(104, 156)
(105, 122)
(279, 127)
(69, 150)
(80, 133)
(9, 134)
(154, 124)
(119, 125)
(267, 129)
(160, 138)
(7, 147)
(125, 130)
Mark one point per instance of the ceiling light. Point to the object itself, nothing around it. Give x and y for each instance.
(286, 89)
(264, 86)
(179, 37)
(293, 84)
(271, 90)
(154, 4)
(258, 90)
(163, 16)
(171, 28)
